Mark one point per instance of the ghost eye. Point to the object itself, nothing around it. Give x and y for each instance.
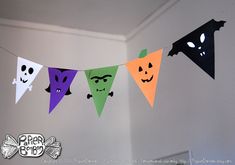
(23, 68)
(96, 81)
(191, 45)
(105, 80)
(202, 37)
(140, 69)
(65, 78)
(30, 70)
(56, 78)
(150, 65)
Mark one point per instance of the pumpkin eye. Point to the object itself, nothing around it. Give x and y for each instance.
(150, 65)
(140, 69)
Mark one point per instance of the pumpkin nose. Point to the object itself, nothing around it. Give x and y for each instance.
(146, 72)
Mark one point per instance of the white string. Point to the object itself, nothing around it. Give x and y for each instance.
(13, 54)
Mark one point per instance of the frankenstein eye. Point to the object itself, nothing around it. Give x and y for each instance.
(105, 80)
(96, 81)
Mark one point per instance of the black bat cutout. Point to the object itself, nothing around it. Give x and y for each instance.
(199, 46)
(110, 94)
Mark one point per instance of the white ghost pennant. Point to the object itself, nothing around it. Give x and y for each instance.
(26, 73)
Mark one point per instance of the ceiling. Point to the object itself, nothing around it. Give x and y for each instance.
(106, 16)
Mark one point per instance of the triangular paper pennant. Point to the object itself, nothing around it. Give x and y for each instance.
(145, 72)
(100, 82)
(199, 46)
(27, 71)
(60, 81)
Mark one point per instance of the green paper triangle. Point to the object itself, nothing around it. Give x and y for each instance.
(143, 53)
(100, 82)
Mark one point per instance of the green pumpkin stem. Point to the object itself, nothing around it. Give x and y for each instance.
(143, 53)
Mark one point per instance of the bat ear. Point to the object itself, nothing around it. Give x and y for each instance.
(219, 24)
(48, 89)
(173, 51)
(68, 92)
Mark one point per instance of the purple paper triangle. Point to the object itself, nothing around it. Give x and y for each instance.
(60, 81)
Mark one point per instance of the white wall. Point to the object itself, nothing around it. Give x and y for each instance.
(74, 122)
(192, 111)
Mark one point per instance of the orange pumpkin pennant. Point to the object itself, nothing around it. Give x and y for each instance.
(145, 72)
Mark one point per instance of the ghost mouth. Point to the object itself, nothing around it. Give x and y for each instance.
(58, 90)
(100, 90)
(147, 80)
(24, 81)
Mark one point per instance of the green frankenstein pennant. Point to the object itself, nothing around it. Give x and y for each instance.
(100, 82)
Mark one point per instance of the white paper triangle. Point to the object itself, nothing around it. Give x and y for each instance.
(27, 71)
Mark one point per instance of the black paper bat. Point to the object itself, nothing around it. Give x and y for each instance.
(199, 46)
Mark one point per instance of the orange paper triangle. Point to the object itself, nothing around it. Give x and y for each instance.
(145, 72)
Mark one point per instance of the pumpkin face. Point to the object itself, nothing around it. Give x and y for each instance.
(145, 73)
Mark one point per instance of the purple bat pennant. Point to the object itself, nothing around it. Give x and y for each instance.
(60, 81)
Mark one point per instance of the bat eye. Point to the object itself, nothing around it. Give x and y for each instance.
(65, 78)
(96, 81)
(202, 37)
(30, 70)
(105, 80)
(191, 45)
(23, 68)
(150, 65)
(140, 69)
(56, 78)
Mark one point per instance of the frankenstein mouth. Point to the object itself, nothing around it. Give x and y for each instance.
(100, 90)
(24, 81)
(147, 80)
(58, 90)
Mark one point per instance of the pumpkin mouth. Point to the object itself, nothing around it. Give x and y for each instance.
(147, 80)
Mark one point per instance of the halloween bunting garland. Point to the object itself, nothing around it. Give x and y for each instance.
(27, 71)
(60, 81)
(197, 46)
(100, 82)
(144, 71)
